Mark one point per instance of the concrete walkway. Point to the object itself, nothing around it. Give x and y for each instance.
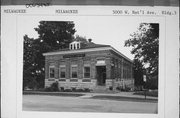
(120, 94)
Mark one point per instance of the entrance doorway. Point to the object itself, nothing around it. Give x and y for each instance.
(101, 75)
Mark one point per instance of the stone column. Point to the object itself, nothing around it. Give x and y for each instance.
(68, 66)
(93, 68)
(56, 65)
(80, 68)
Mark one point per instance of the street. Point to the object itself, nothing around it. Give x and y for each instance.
(85, 104)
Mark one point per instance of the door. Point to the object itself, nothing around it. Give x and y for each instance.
(101, 75)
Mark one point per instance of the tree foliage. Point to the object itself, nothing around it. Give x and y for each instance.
(53, 35)
(28, 61)
(81, 39)
(138, 72)
(145, 43)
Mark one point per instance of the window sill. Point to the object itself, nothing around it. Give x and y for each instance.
(86, 80)
(62, 79)
(73, 80)
(51, 79)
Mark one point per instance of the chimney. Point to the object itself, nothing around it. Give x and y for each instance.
(89, 40)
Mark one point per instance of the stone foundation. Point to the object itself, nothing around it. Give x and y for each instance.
(90, 83)
(69, 84)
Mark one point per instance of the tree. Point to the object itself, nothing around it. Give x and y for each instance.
(145, 43)
(28, 62)
(138, 73)
(80, 38)
(53, 35)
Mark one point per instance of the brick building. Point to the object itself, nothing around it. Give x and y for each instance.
(88, 65)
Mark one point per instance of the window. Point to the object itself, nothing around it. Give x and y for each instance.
(51, 72)
(62, 72)
(74, 46)
(71, 47)
(86, 72)
(74, 71)
(77, 45)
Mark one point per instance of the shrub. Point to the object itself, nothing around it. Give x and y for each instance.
(138, 88)
(48, 89)
(30, 83)
(111, 88)
(61, 88)
(153, 93)
(53, 88)
(67, 90)
(79, 90)
(86, 90)
(127, 89)
(151, 83)
(73, 89)
(118, 88)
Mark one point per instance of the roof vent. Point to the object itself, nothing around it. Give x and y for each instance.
(89, 40)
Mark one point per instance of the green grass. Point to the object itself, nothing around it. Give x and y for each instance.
(52, 93)
(122, 98)
(148, 93)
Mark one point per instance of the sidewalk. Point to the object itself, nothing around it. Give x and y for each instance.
(90, 94)
(123, 94)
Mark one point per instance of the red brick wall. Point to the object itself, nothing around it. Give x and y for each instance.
(90, 58)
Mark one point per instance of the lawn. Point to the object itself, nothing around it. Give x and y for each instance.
(153, 93)
(52, 93)
(80, 104)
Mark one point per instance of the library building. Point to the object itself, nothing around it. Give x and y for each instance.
(88, 66)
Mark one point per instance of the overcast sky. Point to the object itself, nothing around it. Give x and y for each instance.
(109, 30)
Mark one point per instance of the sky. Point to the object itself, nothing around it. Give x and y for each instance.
(109, 30)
